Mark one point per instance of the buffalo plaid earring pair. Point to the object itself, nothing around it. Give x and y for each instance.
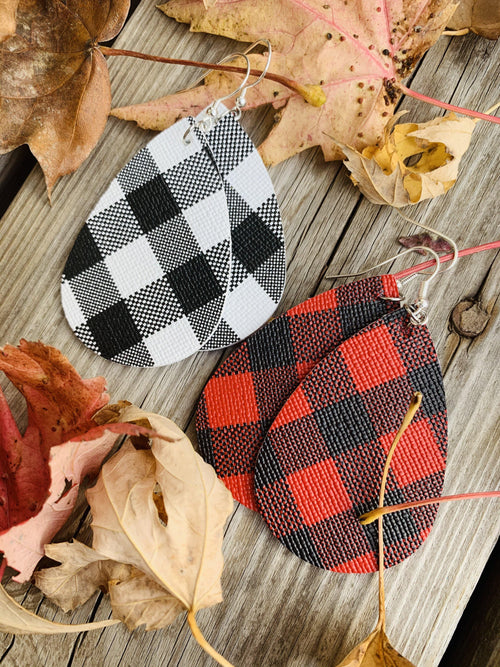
(184, 251)
(299, 418)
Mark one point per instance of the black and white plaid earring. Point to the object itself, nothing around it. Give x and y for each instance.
(185, 249)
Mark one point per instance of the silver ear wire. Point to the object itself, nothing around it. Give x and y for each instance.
(212, 113)
(267, 43)
(418, 309)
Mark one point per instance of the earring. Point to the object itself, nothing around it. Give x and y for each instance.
(258, 250)
(298, 419)
(185, 250)
(258, 268)
(320, 465)
(146, 279)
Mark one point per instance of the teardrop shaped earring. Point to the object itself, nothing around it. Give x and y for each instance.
(185, 250)
(146, 280)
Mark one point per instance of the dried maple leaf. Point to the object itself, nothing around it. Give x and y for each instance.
(127, 527)
(7, 18)
(63, 443)
(55, 93)
(385, 174)
(135, 598)
(358, 52)
(481, 16)
(161, 512)
(83, 570)
(60, 407)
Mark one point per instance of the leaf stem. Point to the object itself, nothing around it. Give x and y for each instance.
(313, 94)
(415, 402)
(450, 107)
(203, 642)
(375, 514)
(456, 33)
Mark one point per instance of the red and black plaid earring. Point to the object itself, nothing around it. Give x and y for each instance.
(298, 420)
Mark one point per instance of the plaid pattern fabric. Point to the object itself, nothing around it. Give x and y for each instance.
(258, 262)
(145, 282)
(158, 271)
(321, 464)
(245, 394)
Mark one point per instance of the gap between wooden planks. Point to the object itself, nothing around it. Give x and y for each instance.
(278, 610)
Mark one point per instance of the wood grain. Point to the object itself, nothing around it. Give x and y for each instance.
(279, 610)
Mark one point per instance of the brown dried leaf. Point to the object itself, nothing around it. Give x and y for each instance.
(375, 651)
(135, 598)
(356, 51)
(55, 93)
(384, 173)
(138, 600)
(170, 540)
(7, 18)
(426, 240)
(184, 556)
(20, 621)
(481, 16)
(82, 571)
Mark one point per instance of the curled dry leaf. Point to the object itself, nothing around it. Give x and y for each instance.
(161, 512)
(7, 18)
(82, 571)
(426, 240)
(481, 16)
(356, 51)
(55, 93)
(20, 621)
(413, 163)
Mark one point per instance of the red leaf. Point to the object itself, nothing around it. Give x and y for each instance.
(60, 408)
(70, 462)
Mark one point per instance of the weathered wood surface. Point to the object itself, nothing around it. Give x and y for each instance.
(279, 610)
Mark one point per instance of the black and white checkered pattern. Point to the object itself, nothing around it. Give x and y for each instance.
(258, 249)
(184, 251)
(146, 280)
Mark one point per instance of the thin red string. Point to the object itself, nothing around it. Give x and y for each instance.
(446, 258)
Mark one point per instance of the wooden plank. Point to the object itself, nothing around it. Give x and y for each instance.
(279, 610)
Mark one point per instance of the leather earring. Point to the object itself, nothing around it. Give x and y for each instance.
(298, 420)
(320, 465)
(185, 249)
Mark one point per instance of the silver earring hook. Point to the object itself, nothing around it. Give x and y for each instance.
(239, 89)
(266, 43)
(212, 114)
(418, 309)
(388, 261)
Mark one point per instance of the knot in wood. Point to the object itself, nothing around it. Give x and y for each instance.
(469, 319)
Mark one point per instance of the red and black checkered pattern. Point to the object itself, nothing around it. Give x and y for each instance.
(321, 464)
(243, 397)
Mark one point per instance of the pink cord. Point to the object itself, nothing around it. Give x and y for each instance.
(446, 258)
